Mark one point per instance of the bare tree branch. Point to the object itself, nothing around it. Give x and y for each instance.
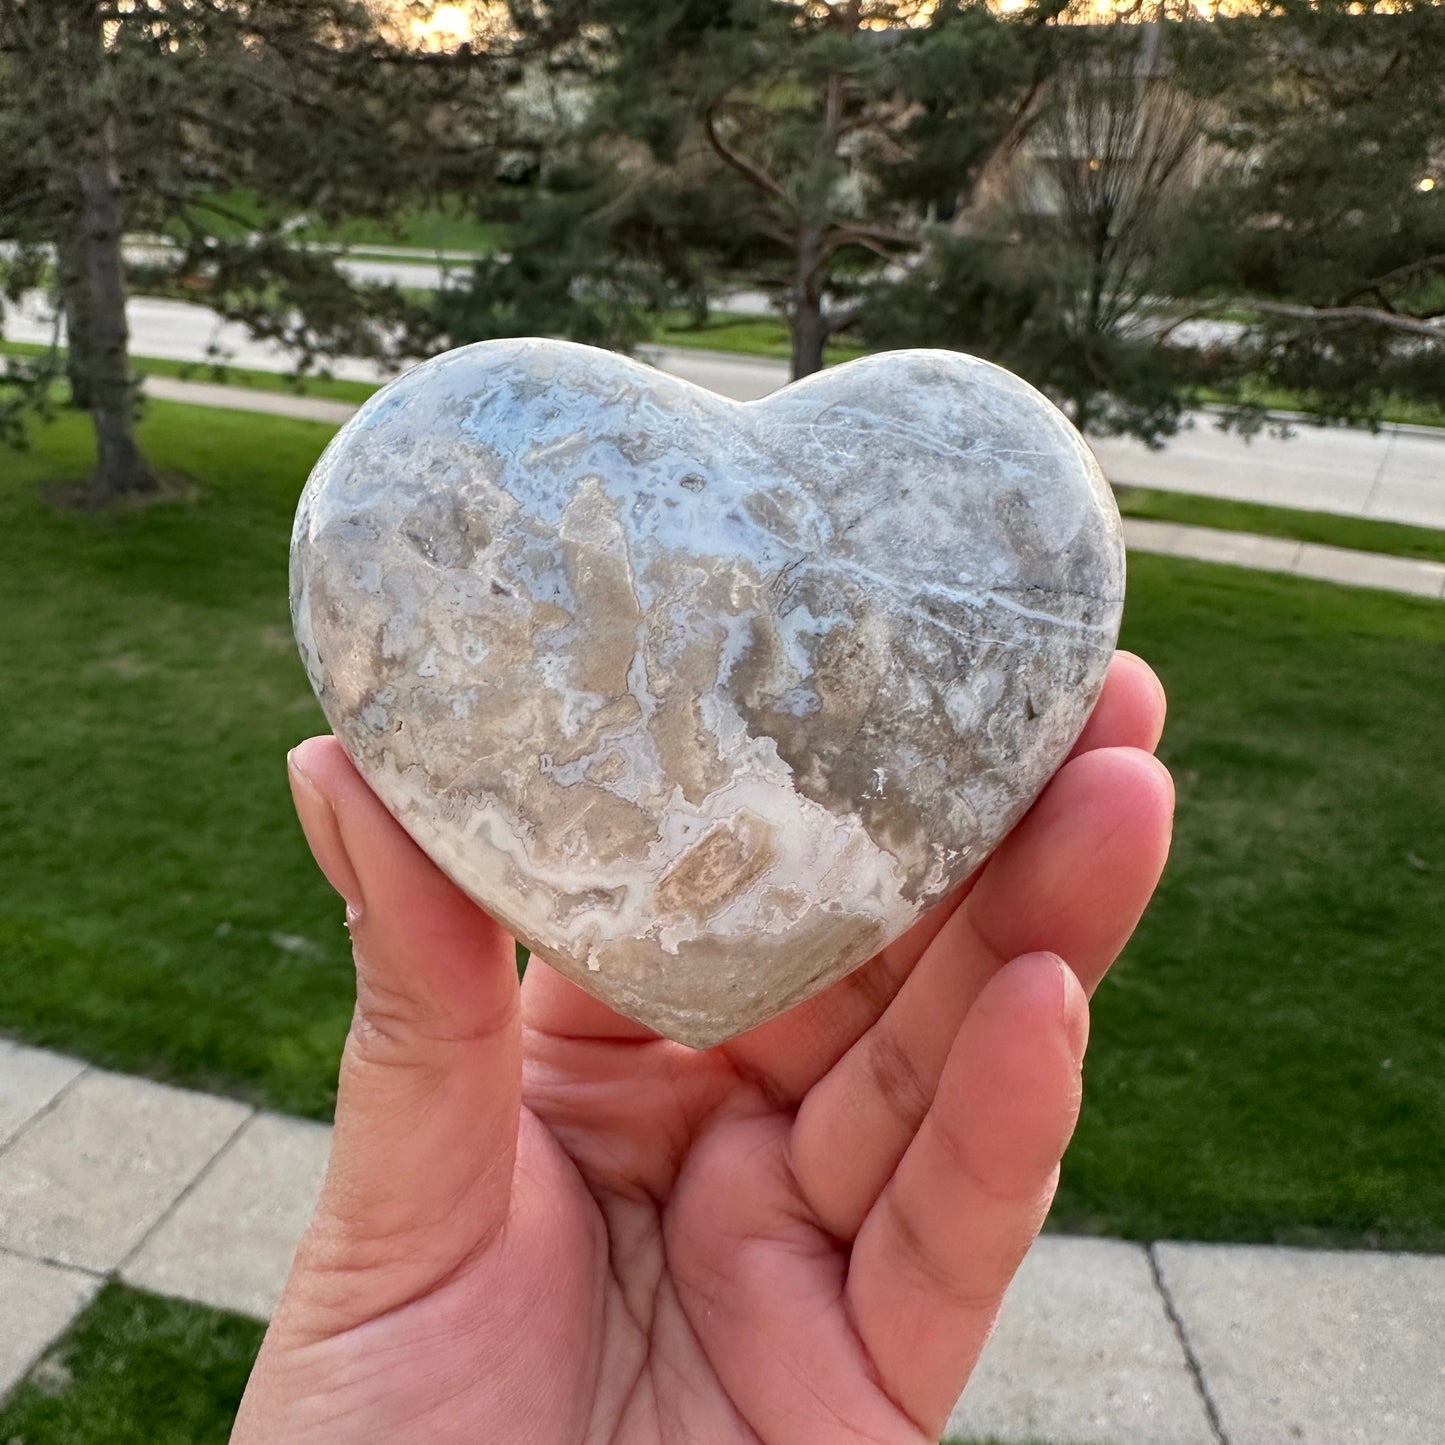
(1412, 325)
(836, 321)
(883, 244)
(1024, 115)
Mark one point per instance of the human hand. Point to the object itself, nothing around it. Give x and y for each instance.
(542, 1223)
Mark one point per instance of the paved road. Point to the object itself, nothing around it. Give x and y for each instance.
(178, 331)
(1398, 475)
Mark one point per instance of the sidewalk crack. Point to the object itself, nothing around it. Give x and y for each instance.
(48, 1107)
(169, 1213)
(1196, 1370)
(1378, 480)
(98, 1275)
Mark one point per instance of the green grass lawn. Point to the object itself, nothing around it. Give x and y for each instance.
(1267, 1059)
(744, 334)
(445, 228)
(429, 230)
(158, 910)
(136, 1370)
(1267, 1064)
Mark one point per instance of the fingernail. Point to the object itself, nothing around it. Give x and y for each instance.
(1073, 1012)
(323, 835)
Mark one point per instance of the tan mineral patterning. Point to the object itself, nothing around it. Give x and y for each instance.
(706, 702)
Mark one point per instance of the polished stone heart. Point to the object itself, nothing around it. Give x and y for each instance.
(706, 702)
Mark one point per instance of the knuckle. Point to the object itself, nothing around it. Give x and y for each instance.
(897, 1079)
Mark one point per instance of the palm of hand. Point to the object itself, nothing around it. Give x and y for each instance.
(543, 1223)
(678, 1210)
(698, 1250)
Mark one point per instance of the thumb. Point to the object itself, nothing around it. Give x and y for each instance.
(430, 1088)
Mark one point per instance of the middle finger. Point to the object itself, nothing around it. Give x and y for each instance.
(789, 1054)
(1071, 880)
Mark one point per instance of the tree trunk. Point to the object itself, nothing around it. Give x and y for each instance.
(120, 469)
(75, 305)
(805, 311)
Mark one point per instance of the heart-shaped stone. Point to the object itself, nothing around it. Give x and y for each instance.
(706, 702)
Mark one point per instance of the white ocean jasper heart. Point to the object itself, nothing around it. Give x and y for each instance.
(706, 702)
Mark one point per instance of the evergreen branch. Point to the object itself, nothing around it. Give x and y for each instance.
(200, 202)
(753, 174)
(465, 57)
(1402, 273)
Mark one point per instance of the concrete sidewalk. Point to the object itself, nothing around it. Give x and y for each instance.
(1280, 554)
(1207, 544)
(1101, 1342)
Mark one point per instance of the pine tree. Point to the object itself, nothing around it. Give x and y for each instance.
(1324, 218)
(145, 117)
(793, 146)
